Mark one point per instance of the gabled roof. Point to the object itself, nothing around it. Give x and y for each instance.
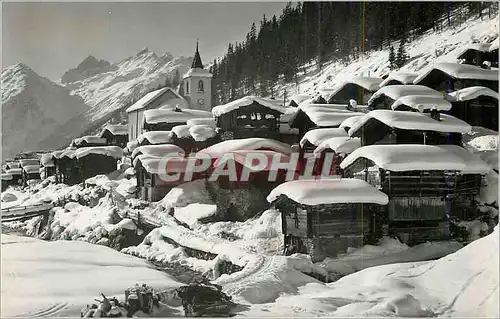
(368, 83)
(29, 161)
(150, 97)
(422, 102)
(115, 130)
(349, 122)
(243, 102)
(202, 133)
(316, 136)
(15, 171)
(155, 137)
(46, 160)
(30, 169)
(111, 151)
(460, 71)
(340, 145)
(411, 121)
(403, 77)
(163, 165)
(397, 91)
(299, 98)
(158, 150)
(329, 191)
(254, 143)
(471, 93)
(173, 115)
(493, 45)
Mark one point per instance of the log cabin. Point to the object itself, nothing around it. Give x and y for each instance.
(358, 88)
(427, 185)
(287, 134)
(323, 218)
(47, 165)
(449, 77)
(401, 127)
(30, 172)
(115, 135)
(384, 98)
(97, 160)
(247, 117)
(476, 105)
(399, 78)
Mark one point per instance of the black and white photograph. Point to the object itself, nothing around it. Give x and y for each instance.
(255, 159)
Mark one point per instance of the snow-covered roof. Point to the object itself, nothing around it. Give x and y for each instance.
(111, 151)
(460, 71)
(14, 171)
(349, 122)
(299, 98)
(132, 145)
(422, 102)
(402, 77)
(29, 161)
(173, 115)
(474, 164)
(150, 97)
(68, 152)
(155, 137)
(46, 160)
(202, 121)
(30, 169)
(414, 157)
(482, 47)
(115, 130)
(13, 164)
(254, 143)
(412, 121)
(181, 131)
(324, 117)
(318, 135)
(7, 176)
(158, 150)
(397, 91)
(90, 139)
(340, 145)
(289, 112)
(471, 93)
(331, 191)
(331, 107)
(162, 166)
(242, 157)
(368, 83)
(243, 102)
(202, 133)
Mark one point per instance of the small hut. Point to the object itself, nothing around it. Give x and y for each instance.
(97, 160)
(164, 119)
(30, 172)
(449, 77)
(66, 166)
(17, 175)
(322, 218)
(242, 194)
(155, 138)
(11, 165)
(401, 127)
(473, 53)
(203, 136)
(116, 135)
(426, 184)
(247, 117)
(202, 121)
(359, 88)
(399, 78)
(476, 105)
(387, 95)
(47, 165)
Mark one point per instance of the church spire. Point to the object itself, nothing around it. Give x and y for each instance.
(197, 59)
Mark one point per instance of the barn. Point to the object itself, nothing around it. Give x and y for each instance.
(358, 88)
(323, 218)
(387, 95)
(249, 116)
(67, 170)
(399, 78)
(115, 135)
(476, 105)
(449, 77)
(401, 127)
(426, 184)
(152, 100)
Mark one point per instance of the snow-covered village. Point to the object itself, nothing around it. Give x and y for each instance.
(330, 159)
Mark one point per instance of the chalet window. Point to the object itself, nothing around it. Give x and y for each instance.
(201, 87)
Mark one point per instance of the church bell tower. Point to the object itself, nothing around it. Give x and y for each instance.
(197, 84)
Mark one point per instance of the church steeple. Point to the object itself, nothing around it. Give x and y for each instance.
(197, 59)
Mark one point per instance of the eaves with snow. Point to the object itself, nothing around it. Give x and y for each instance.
(111, 151)
(254, 143)
(401, 77)
(158, 150)
(422, 102)
(339, 145)
(459, 71)
(396, 91)
(116, 130)
(471, 93)
(316, 136)
(155, 137)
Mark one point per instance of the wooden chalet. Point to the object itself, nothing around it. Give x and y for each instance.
(164, 119)
(47, 165)
(247, 117)
(17, 176)
(67, 170)
(322, 218)
(385, 97)
(242, 195)
(401, 127)
(426, 184)
(399, 78)
(421, 103)
(359, 88)
(449, 77)
(116, 135)
(97, 160)
(474, 54)
(311, 116)
(30, 172)
(155, 138)
(88, 141)
(476, 105)
(152, 100)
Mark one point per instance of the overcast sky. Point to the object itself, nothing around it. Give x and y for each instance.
(54, 37)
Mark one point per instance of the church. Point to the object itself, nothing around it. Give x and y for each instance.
(195, 93)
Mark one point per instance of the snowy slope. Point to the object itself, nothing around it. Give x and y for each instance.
(432, 47)
(32, 109)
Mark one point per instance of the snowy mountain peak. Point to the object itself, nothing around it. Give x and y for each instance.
(144, 51)
(90, 66)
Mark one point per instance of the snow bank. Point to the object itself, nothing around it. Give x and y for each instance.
(316, 136)
(191, 213)
(202, 133)
(67, 277)
(460, 71)
(422, 102)
(255, 143)
(156, 116)
(471, 93)
(340, 145)
(243, 102)
(111, 151)
(402, 77)
(317, 192)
